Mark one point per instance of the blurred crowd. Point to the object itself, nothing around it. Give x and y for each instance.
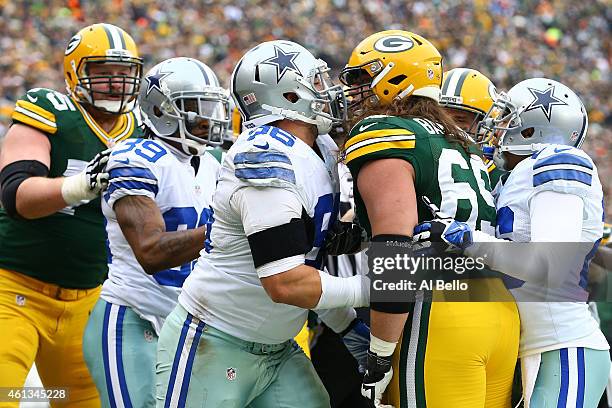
(508, 40)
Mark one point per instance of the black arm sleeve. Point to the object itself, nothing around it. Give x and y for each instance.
(279, 242)
(11, 177)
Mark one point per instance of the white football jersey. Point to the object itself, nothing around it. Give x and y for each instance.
(149, 168)
(224, 289)
(550, 325)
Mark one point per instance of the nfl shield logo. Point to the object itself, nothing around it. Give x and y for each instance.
(231, 374)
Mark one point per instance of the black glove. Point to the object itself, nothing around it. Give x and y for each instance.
(343, 238)
(376, 379)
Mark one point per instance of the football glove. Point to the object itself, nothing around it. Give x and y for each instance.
(457, 235)
(343, 238)
(356, 338)
(86, 185)
(376, 379)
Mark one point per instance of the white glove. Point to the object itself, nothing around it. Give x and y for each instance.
(86, 185)
(376, 379)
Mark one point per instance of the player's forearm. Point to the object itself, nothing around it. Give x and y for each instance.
(171, 249)
(300, 286)
(309, 288)
(39, 197)
(387, 326)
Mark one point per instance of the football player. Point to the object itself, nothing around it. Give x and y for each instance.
(468, 95)
(157, 209)
(229, 340)
(52, 235)
(404, 146)
(553, 194)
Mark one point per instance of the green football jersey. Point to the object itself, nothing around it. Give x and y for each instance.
(453, 179)
(67, 248)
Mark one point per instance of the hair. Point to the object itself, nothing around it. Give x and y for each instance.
(414, 107)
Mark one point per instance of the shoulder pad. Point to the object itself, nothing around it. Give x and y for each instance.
(131, 173)
(264, 168)
(562, 168)
(139, 152)
(262, 157)
(38, 108)
(377, 133)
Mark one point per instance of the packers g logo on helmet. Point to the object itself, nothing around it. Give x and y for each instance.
(103, 44)
(72, 44)
(391, 65)
(393, 43)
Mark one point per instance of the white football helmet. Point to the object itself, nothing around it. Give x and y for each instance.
(283, 80)
(534, 112)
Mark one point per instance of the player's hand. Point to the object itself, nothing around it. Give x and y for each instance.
(376, 379)
(87, 185)
(97, 177)
(356, 338)
(343, 238)
(457, 235)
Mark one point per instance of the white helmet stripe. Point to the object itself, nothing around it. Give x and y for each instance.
(450, 85)
(114, 36)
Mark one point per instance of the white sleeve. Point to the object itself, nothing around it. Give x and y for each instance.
(264, 208)
(555, 217)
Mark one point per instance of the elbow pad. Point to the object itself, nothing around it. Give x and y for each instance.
(11, 177)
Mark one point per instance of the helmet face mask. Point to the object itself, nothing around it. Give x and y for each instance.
(282, 80)
(100, 89)
(183, 104)
(102, 68)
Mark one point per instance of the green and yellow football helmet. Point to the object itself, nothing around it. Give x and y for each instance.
(468, 90)
(391, 65)
(102, 44)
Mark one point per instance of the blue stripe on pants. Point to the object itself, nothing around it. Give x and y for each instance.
(119, 350)
(177, 358)
(109, 384)
(562, 401)
(192, 351)
(580, 396)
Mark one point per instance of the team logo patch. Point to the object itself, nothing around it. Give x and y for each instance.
(72, 44)
(394, 43)
(544, 100)
(153, 81)
(283, 62)
(230, 373)
(148, 336)
(430, 73)
(249, 99)
(20, 300)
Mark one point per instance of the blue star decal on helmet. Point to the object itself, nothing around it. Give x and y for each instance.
(153, 81)
(283, 61)
(544, 100)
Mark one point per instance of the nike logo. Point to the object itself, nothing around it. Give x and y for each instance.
(364, 127)
(559, 150)
(263, 147)
(32, 99)
(126, 161)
